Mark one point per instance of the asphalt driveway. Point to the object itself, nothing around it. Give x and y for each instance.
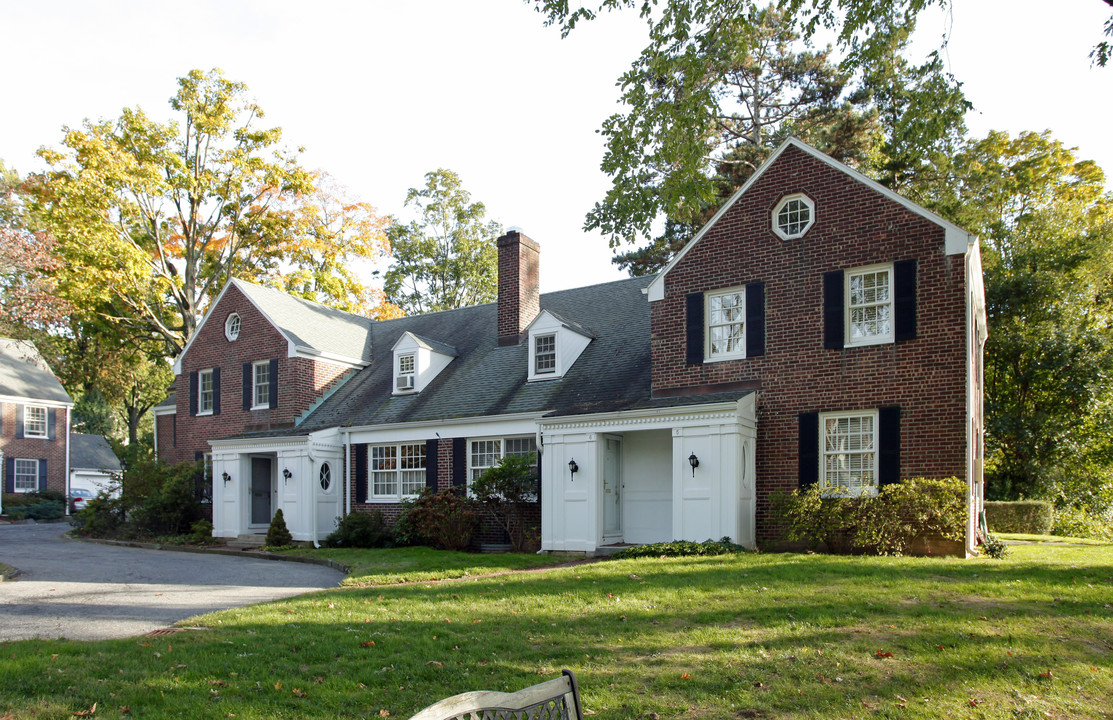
(86, 591)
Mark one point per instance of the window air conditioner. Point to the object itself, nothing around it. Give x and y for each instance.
(405, 382)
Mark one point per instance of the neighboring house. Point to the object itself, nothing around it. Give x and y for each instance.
(820, 329)
(34, 421)
(92, 462)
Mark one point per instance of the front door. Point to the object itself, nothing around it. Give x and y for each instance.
(612, 490)
(260, 490)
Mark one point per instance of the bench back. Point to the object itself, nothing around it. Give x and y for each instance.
(557, 699)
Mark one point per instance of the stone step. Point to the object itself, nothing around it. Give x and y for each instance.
(243, 542)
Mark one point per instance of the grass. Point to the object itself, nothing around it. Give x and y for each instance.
(741, 636)
(5, 569)
(1025, 537)
(419, 564)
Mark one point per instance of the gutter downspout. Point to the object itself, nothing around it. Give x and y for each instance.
(312, 500)
(347, 442)
(69, 413)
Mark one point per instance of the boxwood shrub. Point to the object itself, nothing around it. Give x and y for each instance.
(1034, 517)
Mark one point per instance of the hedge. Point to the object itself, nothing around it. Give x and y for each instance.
(1034, 517)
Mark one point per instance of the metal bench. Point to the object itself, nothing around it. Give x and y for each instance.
(557, 699)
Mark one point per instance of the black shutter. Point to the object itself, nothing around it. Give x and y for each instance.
(51, 424)
(888, 445)
(193, 393)
(755, 319)
(9, 476)
(459, 462)
(904, 300)
(694, 314)
(248, 386)
(19, 421)
(274, 385)
(431, 464)
(361, 472)
(833, 310)
(809, 449)
(42, 475)
(216, 391)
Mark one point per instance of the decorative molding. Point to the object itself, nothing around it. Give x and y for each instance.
(727, 415)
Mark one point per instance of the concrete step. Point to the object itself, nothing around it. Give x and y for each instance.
(246, 542)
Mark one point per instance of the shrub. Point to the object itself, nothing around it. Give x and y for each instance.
(102, 516)
(278, 535)
(1025, 516)
(1077, 522)
(446, 520)
(888, 523)
(159, 499)
(202, 532)
(44, 510)
(995, 547)
(360, 530)
(38, 505)
(680, 548)
(508, 492)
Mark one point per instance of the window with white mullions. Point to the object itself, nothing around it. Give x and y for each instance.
(261, 386)
(397, 471)
(792, 216)
(869, 305)
(485, 454)
(204, 391)
(544, 354)
(848, 451)
(726, 326)
(26, 476)
(34, 421)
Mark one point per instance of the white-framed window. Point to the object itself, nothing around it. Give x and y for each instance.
(407, 367)
(544, 354)
(726, 324)
(204, 392)
(34, 421)
(232, 327)
(325, 477)
(26, 475)
(261, 385)
(397, 471)
(848, 452)
(486, 453)
(793, 216)
(869, 305)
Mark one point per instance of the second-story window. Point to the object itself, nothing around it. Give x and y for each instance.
(869, 305)
(406, 369)
(205, 391)
(544, 354)
(726, 324)
(34, 421)
(261, 386)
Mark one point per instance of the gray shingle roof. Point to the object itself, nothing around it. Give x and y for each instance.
(612, 373)
(24, 373)
(92, 452)
(313, 326)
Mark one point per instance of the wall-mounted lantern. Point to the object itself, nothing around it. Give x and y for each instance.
(573, 468)
(227, 478)
(694, 462)
(286, 475)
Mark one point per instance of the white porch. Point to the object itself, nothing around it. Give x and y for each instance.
(634, 482)
(302, 476)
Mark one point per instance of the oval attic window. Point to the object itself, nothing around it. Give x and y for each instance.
(232, 327)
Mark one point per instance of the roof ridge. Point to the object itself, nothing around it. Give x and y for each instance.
(298, 298)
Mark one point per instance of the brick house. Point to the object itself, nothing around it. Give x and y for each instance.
(819, 329)
(34, 421)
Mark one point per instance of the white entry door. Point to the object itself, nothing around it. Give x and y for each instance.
(612, 490)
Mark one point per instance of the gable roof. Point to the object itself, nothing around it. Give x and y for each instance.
(958, 241)
(312, 330)
(92, 452)
(24, 374)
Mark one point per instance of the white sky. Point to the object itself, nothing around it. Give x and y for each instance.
(382, 92)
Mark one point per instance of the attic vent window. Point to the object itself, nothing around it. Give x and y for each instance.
(793, 216)
(232, 327)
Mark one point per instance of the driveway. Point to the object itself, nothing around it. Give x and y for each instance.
(86, 591)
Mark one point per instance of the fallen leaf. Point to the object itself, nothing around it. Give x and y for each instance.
(685, 676)
(1046, 675)
(278, 685)
(384, 713)
(434, 662)
(368, 643)
(881, 654)
(85, 713)
(221, 683)
(298, 692)
(124, 709)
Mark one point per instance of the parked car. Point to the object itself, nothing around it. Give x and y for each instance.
(78, 498)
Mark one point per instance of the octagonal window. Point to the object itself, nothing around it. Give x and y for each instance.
(793, 216)
(232, 327)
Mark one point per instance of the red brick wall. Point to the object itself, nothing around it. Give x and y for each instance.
(519, 284)
(854, 226)
(300, 380)
(53, 451)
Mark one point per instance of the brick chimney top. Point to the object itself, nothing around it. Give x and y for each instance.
(519, 285)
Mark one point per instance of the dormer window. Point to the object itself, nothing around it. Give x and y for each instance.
(793, 216)
(544, 354)
(232, 327)
(404, 380)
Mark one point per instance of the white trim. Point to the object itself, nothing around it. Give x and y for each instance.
(398, 496)
(257, 445)
(200, 392)
(45, 422)
(319, 355)
(957, 240)
(228, 326)
(708, 356)
(870, 489)
(667, 417)
(445, 427)
(255, 404)
(24, 400)
(160, 410)
(890, 337)
(15, 475)
(775, 220)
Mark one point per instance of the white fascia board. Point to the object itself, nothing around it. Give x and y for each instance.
(24, 400)
(259, 444)
(177, 366)
(547, 321)
(320, 356)
(160, 411)
(516, 424)
(655, 417)
(957, 240)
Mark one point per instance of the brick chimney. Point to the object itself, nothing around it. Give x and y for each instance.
(519, 285)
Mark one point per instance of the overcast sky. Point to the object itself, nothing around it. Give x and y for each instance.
(380, 92)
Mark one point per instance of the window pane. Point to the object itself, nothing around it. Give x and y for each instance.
(544, 354)
(405, 364)
(26, 475)
(726, 328)
(205, 381)
(262, 383)
(848, 452)
(34, 421)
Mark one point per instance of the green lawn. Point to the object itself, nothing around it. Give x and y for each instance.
(745, 636)
(1024, 537)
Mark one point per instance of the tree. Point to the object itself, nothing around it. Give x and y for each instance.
(446, 258)
(153, 219)
(508, 491)
(1046, 225)
(1104, 50)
